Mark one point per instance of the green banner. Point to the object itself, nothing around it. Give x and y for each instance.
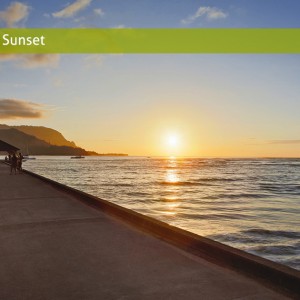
(229, 40)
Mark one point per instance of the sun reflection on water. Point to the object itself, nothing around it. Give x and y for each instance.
(172, 201)
(172, 176)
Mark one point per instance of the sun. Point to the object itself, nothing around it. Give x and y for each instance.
(172, 140)
(171, 143)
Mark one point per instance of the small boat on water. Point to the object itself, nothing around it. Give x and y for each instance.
(26, 156)
(78, 156)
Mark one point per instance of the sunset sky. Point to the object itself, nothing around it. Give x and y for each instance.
(185, 105)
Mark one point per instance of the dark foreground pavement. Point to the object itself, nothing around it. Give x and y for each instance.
(53, 246)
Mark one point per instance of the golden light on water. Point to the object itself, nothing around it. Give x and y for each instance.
(172, 176)
(172, 201)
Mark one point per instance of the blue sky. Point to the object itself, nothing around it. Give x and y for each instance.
(163, 13)
(218, 105)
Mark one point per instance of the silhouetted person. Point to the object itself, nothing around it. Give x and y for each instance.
(19, 163)
(13, 164)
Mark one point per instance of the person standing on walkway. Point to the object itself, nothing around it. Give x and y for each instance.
(13, 164)
(19, 163)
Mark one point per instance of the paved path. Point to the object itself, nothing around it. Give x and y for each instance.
(53, 246)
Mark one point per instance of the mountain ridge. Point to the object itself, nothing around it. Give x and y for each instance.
(49, 135)
(33, 145)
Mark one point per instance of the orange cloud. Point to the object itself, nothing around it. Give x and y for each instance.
(19, 109)
(31, 61)
(15, 13)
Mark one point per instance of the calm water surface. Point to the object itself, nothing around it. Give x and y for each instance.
(250, 204)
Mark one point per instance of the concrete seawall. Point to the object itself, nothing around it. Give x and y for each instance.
(60, 243)
(276, 276)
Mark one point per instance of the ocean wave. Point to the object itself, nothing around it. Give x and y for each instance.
(273, 233)
(242, 195)
(138, 194)
(213, 216)
(275, 249)
(234, 238)
(262, 238)
(283, 164)
(199, 181)
(170, 167)
(281, 188)
(117, 184)
(218, 179)
(179, 183)
(293, 262)
(218, 161)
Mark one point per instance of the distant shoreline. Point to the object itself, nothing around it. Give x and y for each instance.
(109, 154)
(67, 155)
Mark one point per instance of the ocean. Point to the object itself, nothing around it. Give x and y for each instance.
(250, 204)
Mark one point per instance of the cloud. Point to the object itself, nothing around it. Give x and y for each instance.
(72, 9)
(93, 60)
(208, 12)
(98, 12)
(284, 142)
(7, 57)
(39, 60)
(19, 109)
(15, 13)
(32, 61)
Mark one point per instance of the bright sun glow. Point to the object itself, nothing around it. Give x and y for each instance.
(172, 144)
(173, 141)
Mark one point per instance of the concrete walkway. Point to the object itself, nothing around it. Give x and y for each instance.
(53, 246)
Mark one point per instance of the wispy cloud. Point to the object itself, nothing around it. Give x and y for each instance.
(284, 142)
(98, 12)
(14, 13)
(93, 60)
(208, 12)
(32, 61)
(19, 109)
(72, 9)
(39, 60)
